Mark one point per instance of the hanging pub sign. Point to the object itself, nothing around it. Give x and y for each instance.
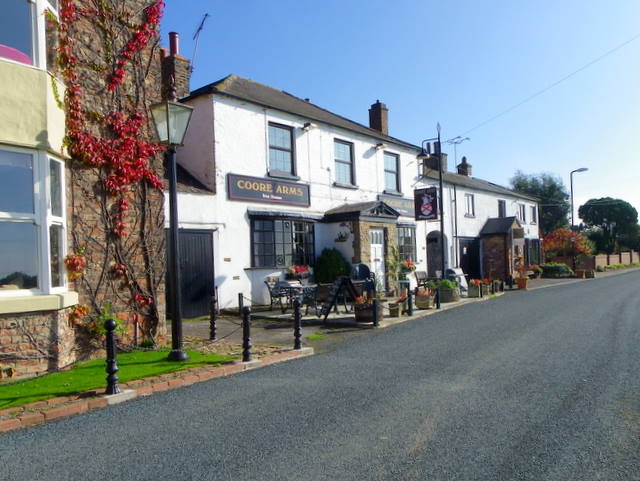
(256, 189)
(425, 203)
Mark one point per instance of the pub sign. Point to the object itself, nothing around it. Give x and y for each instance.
(257, 189)
(425, 203)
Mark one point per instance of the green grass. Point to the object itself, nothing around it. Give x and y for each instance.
(91, 375)
(316, 336)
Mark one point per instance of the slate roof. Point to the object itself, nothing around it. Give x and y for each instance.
(499, 225)
(186, 182)
(477, 184)
(265, 96)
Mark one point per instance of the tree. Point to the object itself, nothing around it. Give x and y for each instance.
(565, 243)
(612, 221)
(554, 199)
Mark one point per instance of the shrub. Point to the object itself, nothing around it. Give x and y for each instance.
(447, 284)
(600, 269)
(330, 265)
(554, 270)
(431, 285)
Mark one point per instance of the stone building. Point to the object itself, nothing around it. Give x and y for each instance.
(285, 178)
(52, 205)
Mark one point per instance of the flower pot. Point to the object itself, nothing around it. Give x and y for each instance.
(394, 310)
(590, 274)
(580, 273)
(474, 290)
(496, 286)
(364, 312)
(423, 302)
(449, 295)
(522, 282)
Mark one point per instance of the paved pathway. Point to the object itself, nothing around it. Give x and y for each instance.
(540, 385)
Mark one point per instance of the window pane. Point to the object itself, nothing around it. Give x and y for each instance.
(279, 137)
(390, 162)
(343, 173)
(280, 160)
(16, 33)
(16, 182)
(56, 189)
(18, 262)
(57, 261)
(342, 151)
(390, 181)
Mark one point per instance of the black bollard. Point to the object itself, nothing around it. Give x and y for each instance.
(240, 304)
(410, 303)
(438, 298)
(501, 286)
(374, 306)
(112, 366)
(481, 290)
(246, 334)
(297, 324)
(213, 329)
(510, 282)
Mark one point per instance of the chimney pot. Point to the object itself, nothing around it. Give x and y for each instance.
(174, 43)
(464, 168)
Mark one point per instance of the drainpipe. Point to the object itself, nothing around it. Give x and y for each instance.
(456, 244)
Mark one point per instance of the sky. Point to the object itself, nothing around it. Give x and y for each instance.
(458, 63)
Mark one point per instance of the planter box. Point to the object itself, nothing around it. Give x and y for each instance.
(522, 283)
(423, 302)
(364, 313)
(394, 310)
(497, 286)
(580, 273)
(449, 295)
(474, 291)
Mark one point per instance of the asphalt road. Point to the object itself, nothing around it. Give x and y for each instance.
(539, 385)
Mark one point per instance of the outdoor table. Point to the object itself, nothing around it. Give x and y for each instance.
(297, 289)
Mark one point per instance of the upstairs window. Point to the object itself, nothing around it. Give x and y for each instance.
(522, 213)
(470, 208)
(343, 157)
(502, 208)
(281, 159)
(391, 172)
(534, 214)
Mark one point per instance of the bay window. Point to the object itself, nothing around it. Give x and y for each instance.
(22, 31)
(32, 222)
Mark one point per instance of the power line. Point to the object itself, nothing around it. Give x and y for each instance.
(550, 86)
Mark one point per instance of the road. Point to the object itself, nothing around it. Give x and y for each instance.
(539, 385)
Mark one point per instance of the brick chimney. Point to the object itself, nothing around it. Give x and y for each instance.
(379, 118)
(175, 69)
(464, 168)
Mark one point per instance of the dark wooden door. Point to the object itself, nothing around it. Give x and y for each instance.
(196, 272)
(470, 257)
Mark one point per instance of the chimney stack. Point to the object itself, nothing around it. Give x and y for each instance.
(176, 70)
(464, 168)
(379, 118)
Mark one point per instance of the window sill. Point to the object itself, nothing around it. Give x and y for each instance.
(283, 175)
(265, 268)
(392, 192)
(340, 185)
(469, 216)
(48, 302)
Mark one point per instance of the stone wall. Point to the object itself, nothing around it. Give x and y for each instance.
(494, 257)
(35, 342)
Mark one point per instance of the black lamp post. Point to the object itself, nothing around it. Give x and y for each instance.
(171, 119)
(424, 155)
(581, 169)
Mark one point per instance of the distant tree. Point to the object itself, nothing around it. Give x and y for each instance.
(565, 242)
(613, 222)
(554, 199)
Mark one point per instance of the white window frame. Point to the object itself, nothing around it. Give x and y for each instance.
(469, 205)
(534, 214)
(38, 33)
(522, 213)
(42, 218)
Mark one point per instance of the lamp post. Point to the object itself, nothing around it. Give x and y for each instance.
(171, 119)
(581, 169)
(424, 155)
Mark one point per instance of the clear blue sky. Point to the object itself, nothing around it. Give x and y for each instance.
(457, 63)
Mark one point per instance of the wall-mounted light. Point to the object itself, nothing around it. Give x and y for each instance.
(308, 126)
(380, 146)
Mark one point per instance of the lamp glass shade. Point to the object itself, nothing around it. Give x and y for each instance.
(171, 120)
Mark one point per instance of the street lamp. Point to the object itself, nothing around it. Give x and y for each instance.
(171, 119)
(424, 155)
(581, 169)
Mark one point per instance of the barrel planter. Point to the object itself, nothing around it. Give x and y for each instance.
(522, 282)
(364, 312)
(449, 295)
(423, 302)
(474, 290)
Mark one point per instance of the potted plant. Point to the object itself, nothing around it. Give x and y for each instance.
(449, 291)
(298, 272)
(522, 279)
(424, 298)
(363, 309)
(537, 271)
(475, 288)
(497, 286)
(487, 286)
(393, 263)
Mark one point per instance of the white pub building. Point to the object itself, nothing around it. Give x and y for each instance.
(279, 179)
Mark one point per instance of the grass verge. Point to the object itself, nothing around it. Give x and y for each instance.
(316, 336)
(91, 375)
